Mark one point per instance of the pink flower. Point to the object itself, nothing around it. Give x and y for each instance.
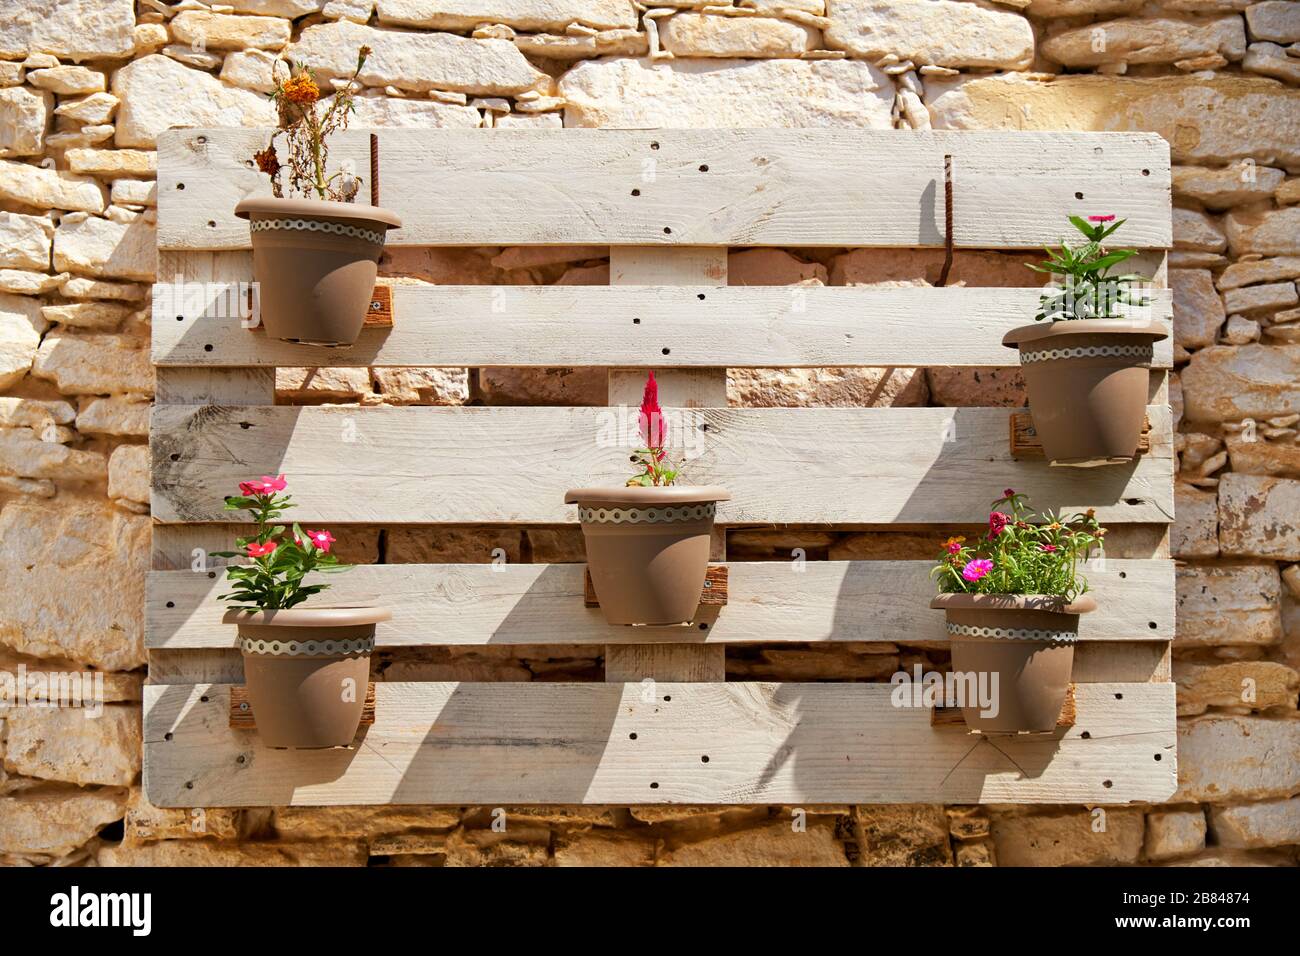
(997, 523)
(1008, 492)
(321, 539)
(1101, 218)
(266, 485)
(977, 568)
(256, 550)
(1049, 548)
(650, 419)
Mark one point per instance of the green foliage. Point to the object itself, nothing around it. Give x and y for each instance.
(1088, 290)
(1022, 553)
(274, 580)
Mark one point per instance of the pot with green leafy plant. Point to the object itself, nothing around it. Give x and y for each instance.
(1012, 600)
(648, 542)
(1087, 356)
(306, 669)
(316, 251)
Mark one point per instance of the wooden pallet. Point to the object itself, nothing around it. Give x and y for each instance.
(668, 203)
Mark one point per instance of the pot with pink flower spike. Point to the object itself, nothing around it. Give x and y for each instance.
(1011, 602)
(648, 542)
(306, 669)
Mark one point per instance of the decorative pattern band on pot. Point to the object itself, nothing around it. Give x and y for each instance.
(1143, 353)
(315, 225)
(647, 515)
(328, 648)
(1012, 633)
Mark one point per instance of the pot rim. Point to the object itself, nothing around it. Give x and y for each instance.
(1038, 331)
(662, 495)
(322, 208)
(1055, 603)
(310, 616)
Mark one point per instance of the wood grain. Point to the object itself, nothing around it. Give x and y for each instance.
(447, 743)
(768, 602)
(739, 326)
(243, 718)
(722, 187)
(952, 717)
(782, 465)
(714, 593)
(1025, 443)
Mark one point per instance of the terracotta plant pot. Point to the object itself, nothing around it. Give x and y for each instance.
(1025, 642)
(647, 549)
(1088, 384)
(306, 670)
(315, 265)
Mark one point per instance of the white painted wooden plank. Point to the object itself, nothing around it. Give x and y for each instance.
(767, 602)
(446, 743)
(800, 187)
(751, 326)
(513, 465)
(703, 268)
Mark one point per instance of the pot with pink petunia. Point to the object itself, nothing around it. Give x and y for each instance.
(1011, 601)
(307, 669)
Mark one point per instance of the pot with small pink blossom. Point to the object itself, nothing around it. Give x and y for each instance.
(1012, 599)
(306, 669)
(1086, 358)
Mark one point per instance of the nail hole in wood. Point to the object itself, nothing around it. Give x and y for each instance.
(1078, 195)
(208, 347)
(1146, 172)
(241, 759)
(174, 457)
(1123, 574)
(704, 167)
(1107, 784)
(1151, 624)
(667, 697)
(654, 144)
(167, 736)
(212, 224)
(204, 699)
(245, 425)
(1119, 696)
(654, 786)
(171, 603)
(189, 784)
(1085, 735)
(636, 192)
(212, 574)
(1157, 756)
(704, 759)
(666, 351)
(667, 231)
(631, 736)
(704, 627)
(700, 296)
(180, 318)
(636, 321)
(180, 185)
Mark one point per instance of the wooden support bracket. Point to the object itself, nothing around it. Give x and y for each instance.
(241, 711)
(379, 315)
(950, 717)
(1025, 443)
(714, 593)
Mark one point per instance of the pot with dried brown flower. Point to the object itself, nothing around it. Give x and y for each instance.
(315, 257)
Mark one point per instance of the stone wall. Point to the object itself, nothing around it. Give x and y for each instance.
(86, 85)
